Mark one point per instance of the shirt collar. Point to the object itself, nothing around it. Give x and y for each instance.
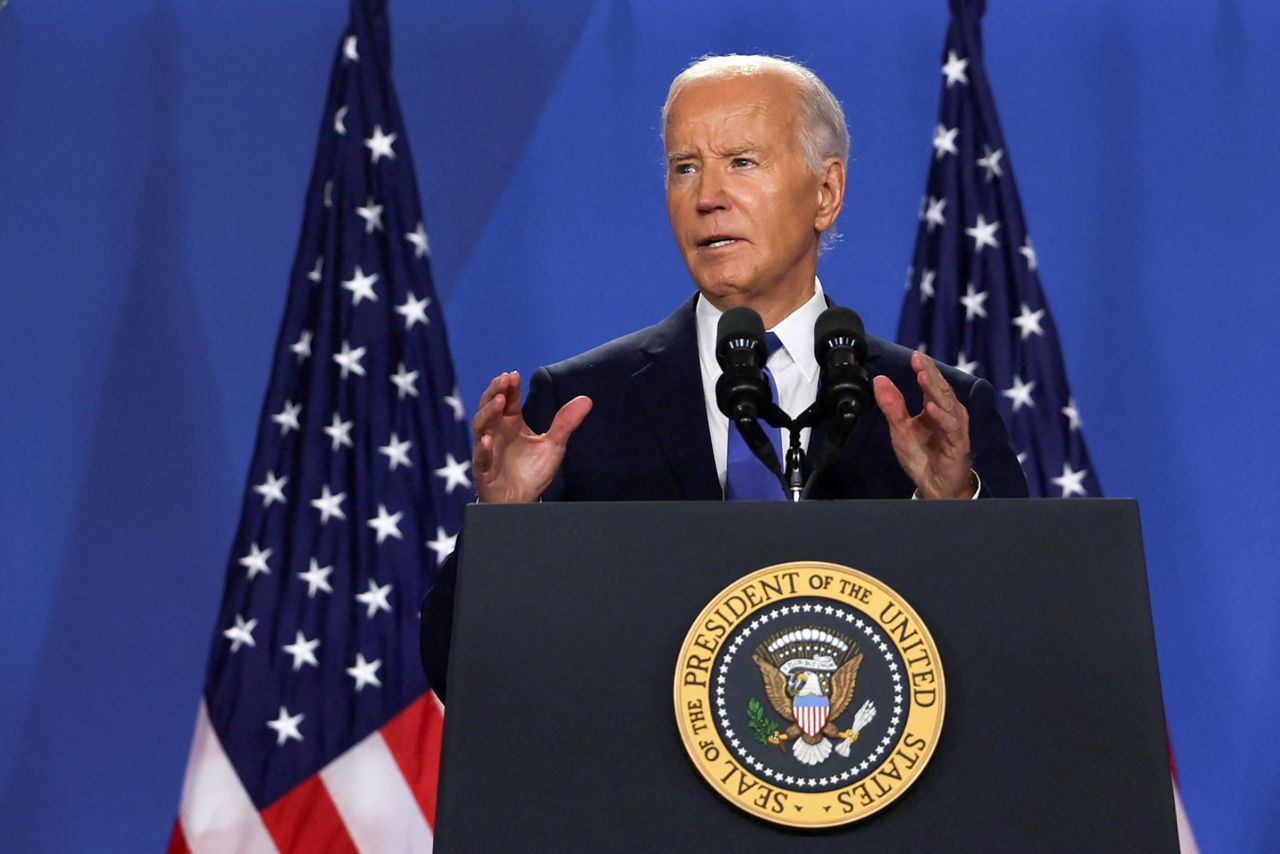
(795, 332)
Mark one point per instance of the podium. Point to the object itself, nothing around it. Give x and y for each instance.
(561, 735)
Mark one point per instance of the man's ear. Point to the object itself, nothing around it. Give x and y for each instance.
(830, 194)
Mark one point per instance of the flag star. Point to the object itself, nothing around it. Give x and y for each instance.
(317, 578)
(361, 286)
(302, 347)
(329, 504)
(272, 489)
(454, 402)
(241, 634)
(397, 452)
(1020, 393)
(375, 598)
(1029, 322)
(443, 545)
(340, 432)
(287, 418)
(1073, 415)
(303, 651)
(954, 69)
(983, 234)
(926, 284)
(328, 194)
(403, 380)
(372, 216)
(966, 365)
(339, 119)
(944, 141)
(1029, 252)
(349, 51)
(991, 162)
(1071, 482)
(454, 473)
(418, 237)
(386, 524)
(349, 360)
(934, 215)
(414, 310)
(973, 303)
(317, 272)
(286, 726)
(379, 145)
(365, 672)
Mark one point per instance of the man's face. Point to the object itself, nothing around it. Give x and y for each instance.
(744, 206)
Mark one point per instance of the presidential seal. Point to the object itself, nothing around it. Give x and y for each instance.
(809, 694)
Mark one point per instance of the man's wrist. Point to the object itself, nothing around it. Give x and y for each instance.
(975, 487)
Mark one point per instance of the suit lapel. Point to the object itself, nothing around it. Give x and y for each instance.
(669, 387)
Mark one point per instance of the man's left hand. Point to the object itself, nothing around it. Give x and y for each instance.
(932, 447)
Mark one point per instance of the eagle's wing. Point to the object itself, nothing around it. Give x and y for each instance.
(842, 682)
(775, 687)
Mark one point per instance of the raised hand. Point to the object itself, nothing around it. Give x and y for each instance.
(511, 463)
(932, 447)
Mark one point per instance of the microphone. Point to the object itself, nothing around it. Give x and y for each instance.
(742, 390)
(844, 391)
(840, 345)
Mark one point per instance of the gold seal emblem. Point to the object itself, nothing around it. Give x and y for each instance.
(809, 694)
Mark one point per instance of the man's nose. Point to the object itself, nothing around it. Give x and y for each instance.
(711, 192)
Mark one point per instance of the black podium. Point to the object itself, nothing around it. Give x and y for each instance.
(560, 732)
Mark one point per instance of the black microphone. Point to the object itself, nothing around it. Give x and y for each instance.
(840, 345)
(742, 390)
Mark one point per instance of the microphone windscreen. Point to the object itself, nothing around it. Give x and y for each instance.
(839, 324)
(737, 325)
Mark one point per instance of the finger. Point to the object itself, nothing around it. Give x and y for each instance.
(482, 457)
(568, 419)
(512, 393)
(890, 401)
(488, 414)
(947, 424)
(497, 385)
(931, 382)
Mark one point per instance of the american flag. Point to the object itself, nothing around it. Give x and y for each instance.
(317, 729)
(973, 289)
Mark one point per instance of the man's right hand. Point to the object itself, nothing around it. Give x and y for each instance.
(511, 463)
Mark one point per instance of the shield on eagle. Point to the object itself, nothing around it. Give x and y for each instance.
(811, 713)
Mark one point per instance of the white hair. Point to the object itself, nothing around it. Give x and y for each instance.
(823, 132)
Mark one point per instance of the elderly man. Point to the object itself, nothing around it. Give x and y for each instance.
(756, 158)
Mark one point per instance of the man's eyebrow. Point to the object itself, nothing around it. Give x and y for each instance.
(676, 156)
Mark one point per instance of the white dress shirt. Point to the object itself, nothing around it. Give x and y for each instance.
(793, 365)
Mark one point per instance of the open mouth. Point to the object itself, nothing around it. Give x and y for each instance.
(716, 241)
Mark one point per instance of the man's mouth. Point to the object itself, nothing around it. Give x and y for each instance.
(715, 241)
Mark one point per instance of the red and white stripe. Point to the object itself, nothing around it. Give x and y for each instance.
(379, 796)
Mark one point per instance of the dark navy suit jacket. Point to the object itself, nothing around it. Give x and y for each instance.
(646, 439)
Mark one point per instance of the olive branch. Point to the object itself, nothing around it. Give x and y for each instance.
(761, 726)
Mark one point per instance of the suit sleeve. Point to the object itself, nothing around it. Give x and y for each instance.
(993, 457)
(434, 638)
(437, 624)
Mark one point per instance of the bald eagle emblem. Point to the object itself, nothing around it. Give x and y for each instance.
(809, 676)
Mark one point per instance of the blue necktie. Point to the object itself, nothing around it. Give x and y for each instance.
(746, 478)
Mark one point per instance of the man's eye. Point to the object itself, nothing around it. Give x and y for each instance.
(742, 162)
(682, 169)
